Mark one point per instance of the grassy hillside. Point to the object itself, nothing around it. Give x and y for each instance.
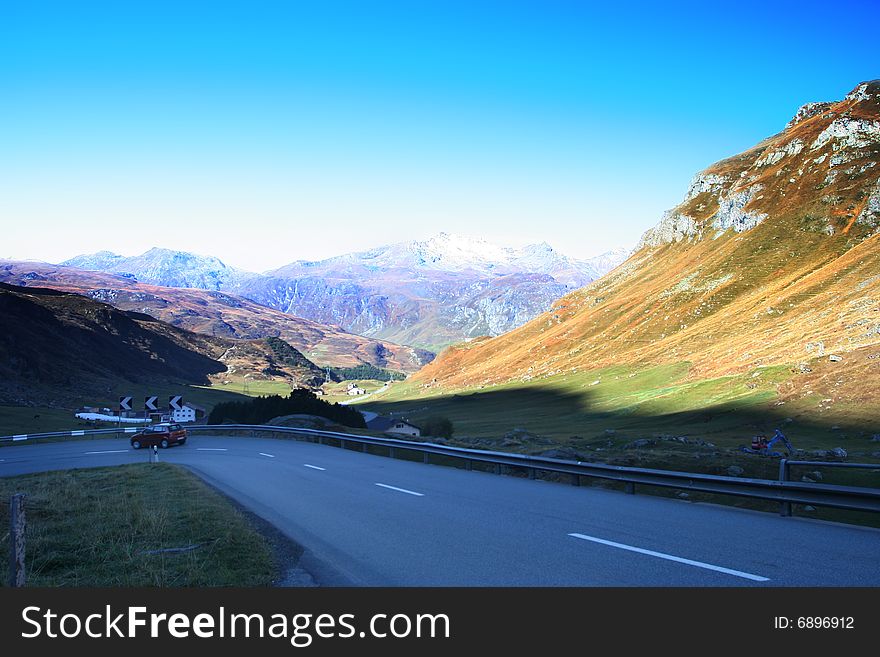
(63, 350)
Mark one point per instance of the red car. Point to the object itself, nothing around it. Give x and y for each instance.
(164, 435)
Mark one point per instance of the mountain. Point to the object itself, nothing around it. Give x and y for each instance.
(59, 348)
(448, 253)
(164, 267)
(218, 314)
(768, 266)
(428, 293)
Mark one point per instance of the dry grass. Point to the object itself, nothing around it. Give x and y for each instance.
(94, 528)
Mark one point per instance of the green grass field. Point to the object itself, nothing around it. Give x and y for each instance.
(40, 419)
(336, 392)
(23, 419)
(96, 527)
(250, 388)
(608, 408)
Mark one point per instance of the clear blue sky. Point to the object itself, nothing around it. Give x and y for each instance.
(264, 132)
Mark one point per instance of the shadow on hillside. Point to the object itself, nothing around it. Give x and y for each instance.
(562, 415)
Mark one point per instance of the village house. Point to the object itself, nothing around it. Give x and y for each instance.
(392, 425)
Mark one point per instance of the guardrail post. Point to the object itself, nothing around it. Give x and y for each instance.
(630, 488)
(391, 452)
(425, 458)
(498, 468)
(785, 506)
(365, 448)
(16, 540)
(468, 464)
(342, 443)
(575, 480)
(531, 473)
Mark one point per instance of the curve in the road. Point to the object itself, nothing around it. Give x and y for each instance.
(370, 520)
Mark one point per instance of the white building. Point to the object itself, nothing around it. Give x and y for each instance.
(392, 425)
(354, 389)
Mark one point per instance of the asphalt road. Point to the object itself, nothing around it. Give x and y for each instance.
(376, 521)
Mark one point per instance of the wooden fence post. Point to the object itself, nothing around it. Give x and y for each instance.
(16, 540)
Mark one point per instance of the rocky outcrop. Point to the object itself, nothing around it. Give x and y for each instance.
(848, 133)
(870, 215)
(673, 227)
(732, 214)
(807, 111)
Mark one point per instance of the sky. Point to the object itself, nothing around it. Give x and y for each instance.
(267, 132)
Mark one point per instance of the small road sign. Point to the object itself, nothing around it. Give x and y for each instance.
(125, 403)
(175, 402)
(150, 403)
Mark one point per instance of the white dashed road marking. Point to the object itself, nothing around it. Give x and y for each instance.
(211, 449)
(401, 490)
(313, 467)
(110, 451)
(271, 456)
(670, 557)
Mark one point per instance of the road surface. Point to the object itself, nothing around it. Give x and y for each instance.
(374, 521)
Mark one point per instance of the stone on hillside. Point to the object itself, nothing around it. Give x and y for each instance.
(641, 442)
(518, 436)
(839, 452)
(807, 480)
(815, 474)
(734, 471)
(834, 358)
(809, 508)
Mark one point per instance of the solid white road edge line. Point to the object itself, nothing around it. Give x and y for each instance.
(670, 557)
(271, 456)
(313, 467)
(110, 451)
(401, 490)
(210, 449)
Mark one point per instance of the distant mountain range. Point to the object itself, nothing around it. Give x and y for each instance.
(218, 314)
(426, 294)
(164, 267)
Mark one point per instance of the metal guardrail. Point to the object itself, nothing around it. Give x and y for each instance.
(785, 472)
(73, 433)
(783, 491)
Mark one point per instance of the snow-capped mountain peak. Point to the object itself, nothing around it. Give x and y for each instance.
(453, 252)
